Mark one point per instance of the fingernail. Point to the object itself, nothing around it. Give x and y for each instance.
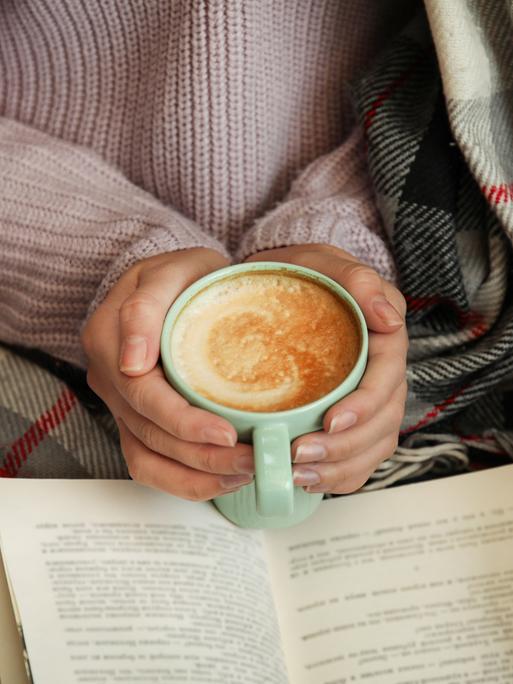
(133, 353)
(245, 464)
(219, 437)
(231, 481)
(303, 477)
(310, 452)
(342, 421)
(386, 312)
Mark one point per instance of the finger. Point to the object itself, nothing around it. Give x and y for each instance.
(321, 446)
(141, 315)
(157, 471)
(153, 397)
(386, 370)
(343, 477)
(205, 457)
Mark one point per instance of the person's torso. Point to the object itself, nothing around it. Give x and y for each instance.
(212, 107)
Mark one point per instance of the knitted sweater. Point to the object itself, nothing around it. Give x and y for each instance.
(131, 128)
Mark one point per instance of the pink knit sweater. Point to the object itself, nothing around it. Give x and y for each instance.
(131, 128)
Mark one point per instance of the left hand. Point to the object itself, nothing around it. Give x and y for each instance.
(362, 429)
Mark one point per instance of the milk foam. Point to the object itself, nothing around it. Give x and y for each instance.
(264, 341)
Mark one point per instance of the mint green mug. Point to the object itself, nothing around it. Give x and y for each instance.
(271, 500)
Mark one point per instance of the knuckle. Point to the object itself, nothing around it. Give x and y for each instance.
(338, 480)
(345, 448)
(195, 490)
(135, 393)
(149, 434)
(178, 425)
(361, 274)
(137, 306)
(207, 458)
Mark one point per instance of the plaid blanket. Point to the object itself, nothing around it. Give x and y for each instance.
(437, 109)
(442, 168)
(51, 425)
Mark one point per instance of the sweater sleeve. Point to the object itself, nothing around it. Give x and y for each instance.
(70, 225)
(331, 202)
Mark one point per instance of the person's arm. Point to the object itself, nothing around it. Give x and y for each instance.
(79, 243)
(332, 203)
(70, 226)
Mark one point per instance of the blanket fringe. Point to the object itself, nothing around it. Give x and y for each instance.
(437, 454)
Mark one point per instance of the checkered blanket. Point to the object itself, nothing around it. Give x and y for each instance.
(437, 109)
(50, 424)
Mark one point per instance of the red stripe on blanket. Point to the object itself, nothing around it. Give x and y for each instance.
(498, 194)
(466, 319)
(22, 447)
(386, 94)
(434, 412)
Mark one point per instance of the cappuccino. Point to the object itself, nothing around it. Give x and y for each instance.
(265, 341)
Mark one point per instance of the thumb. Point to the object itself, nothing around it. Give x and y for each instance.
(159, 280)
(367, 288)
(140, 321)
(141, 315)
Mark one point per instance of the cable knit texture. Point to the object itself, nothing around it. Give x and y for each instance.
(129, 128)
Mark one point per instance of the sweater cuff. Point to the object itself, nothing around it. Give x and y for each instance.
(331, 202)
(152, 242)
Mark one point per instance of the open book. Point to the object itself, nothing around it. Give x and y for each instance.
(114, 582)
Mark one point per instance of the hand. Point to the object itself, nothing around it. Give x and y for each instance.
(167, 443)
(362, 429)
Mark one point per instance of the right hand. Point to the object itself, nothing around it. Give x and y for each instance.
(167, 443)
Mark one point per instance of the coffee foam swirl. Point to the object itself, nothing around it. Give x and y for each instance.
(265, 341)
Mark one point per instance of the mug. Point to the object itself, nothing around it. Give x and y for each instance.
(271, 500)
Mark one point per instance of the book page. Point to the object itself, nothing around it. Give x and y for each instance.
(116, 582)
(412, 585)
(12, 659)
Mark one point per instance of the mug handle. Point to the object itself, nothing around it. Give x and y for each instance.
(273, 471)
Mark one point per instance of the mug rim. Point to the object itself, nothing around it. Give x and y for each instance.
(200, 401)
